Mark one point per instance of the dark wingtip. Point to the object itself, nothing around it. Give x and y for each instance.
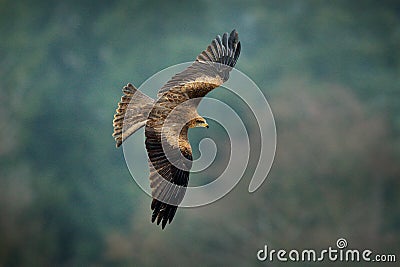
(162, 213)
(234, 47)
(234, 37)
(164, 222)
(224, 50)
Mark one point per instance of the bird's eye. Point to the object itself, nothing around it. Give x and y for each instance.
(199, 121)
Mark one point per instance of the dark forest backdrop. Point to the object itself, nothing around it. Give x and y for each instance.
(330, 70)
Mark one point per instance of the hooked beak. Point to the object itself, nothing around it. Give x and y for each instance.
(207, 126)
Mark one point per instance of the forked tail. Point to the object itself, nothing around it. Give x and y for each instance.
(131, 114)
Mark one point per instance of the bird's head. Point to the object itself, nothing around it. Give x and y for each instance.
(198, 122)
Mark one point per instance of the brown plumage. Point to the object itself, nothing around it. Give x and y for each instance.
(168, 119)
(130, 116)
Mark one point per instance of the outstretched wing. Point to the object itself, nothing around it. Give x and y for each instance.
(210, 69)
(169, 172)
(170, 155)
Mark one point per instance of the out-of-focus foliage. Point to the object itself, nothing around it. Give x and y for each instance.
(331, 71)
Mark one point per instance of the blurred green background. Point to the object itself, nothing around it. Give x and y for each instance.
(330, 70)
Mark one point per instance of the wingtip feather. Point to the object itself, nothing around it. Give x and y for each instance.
(163, 213)
(224, 50)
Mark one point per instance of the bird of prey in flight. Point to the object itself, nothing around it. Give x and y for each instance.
(168, 119)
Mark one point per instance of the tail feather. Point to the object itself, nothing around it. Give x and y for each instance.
(131, 114)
